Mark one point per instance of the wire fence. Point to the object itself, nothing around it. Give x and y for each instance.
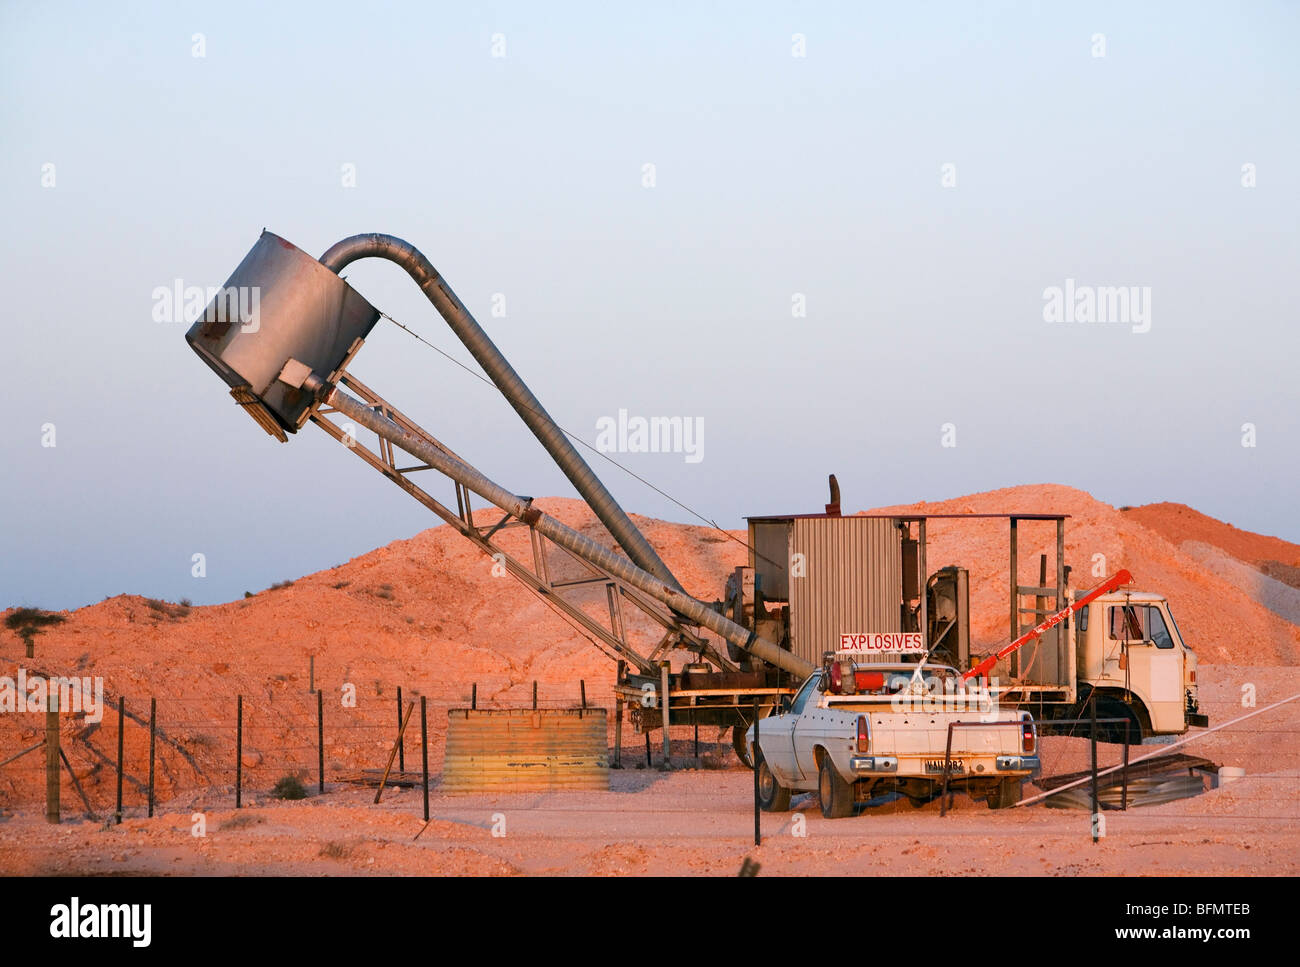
(239, 746)
(215, 747)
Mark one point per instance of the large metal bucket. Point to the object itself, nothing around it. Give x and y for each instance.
(280, 304)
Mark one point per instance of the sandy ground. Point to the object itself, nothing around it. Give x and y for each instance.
(688, 822)
(428, 614)
(693, 820)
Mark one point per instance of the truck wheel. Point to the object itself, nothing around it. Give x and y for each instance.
(1113, 708)
(835, 794)
(738, 743)
(1006, 794)
(772, 796)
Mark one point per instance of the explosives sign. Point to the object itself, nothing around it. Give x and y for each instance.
(883, 643)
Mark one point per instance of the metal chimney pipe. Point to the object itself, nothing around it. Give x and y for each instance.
(511, 386)
(568, 538)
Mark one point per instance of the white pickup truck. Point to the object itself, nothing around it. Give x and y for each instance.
(853, 732)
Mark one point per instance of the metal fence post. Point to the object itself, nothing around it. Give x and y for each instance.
(401, 743)
(424, 751)
(758, 833)
(1123, 803)
(121, 725)
(663, 702)
(320, 739)
(239, 751)
(1096, 808)
(618, 718)
(52, 757)
(153, 740)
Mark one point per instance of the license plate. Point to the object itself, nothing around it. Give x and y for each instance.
(936, 765)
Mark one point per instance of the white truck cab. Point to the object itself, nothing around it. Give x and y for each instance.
(1128, 650)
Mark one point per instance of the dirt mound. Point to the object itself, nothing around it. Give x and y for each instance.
(1179, 524)
(1223, 610)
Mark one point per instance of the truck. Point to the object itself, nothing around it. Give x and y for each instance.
(853, 732)
(1130, 655)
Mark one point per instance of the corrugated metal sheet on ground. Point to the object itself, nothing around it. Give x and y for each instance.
(1149, 791)
(525, 750)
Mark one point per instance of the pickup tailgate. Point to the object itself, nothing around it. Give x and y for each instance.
(925, 735)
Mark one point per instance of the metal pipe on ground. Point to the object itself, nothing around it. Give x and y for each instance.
(516, 392)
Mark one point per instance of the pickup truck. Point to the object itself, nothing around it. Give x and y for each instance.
(853, 732)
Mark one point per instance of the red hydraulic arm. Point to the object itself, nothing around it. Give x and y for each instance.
(1112, 583)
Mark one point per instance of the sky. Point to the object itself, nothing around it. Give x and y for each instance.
(825, 234)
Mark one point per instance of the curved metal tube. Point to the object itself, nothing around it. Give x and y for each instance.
(511, 386)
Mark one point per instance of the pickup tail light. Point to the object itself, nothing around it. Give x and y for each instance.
(862, 735)
(1027, 737)
(1193, 676)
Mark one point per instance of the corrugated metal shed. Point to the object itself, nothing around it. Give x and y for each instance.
(525, 750)
(853, 581)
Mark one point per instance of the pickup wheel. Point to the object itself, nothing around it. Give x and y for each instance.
(835, 794)
(772, 796)
(1006, 794)
(738, 743)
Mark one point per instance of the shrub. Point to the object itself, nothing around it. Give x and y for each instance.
(173, 611)
(242, 821)
(289, 787)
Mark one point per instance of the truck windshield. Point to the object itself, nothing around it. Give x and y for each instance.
(1177, 633)
(1140, 622)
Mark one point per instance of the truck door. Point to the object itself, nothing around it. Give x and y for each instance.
(776, 734)
(1155, 669)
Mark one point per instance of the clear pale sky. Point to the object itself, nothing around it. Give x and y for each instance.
(522, 175)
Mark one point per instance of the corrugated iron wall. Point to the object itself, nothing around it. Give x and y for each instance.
(853, 581)
(525, 750)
